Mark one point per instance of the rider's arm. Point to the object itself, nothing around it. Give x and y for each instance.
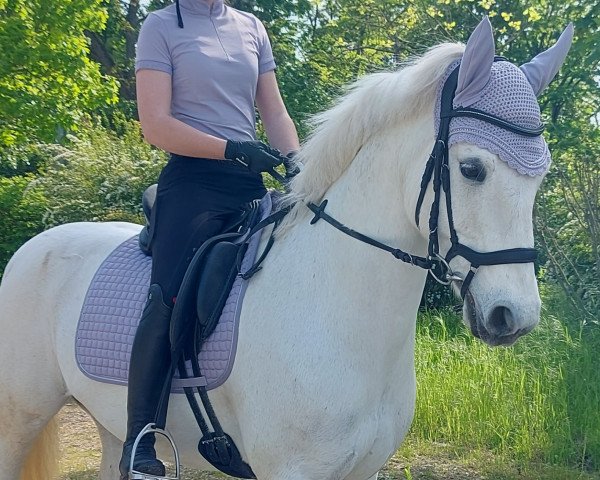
(278, 124)
(161, 129)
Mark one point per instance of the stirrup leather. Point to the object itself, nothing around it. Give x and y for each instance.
(148, 429)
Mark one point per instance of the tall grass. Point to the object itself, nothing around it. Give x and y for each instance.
(536, 401)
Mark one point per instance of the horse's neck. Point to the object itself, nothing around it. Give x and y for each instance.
(360, 282)
(378, 192)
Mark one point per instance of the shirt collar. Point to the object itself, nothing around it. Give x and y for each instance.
(202, 7)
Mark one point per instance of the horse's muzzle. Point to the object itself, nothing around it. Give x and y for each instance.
(499, 328)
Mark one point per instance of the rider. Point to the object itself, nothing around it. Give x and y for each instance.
(201, 66)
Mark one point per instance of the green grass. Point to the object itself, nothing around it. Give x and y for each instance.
(538, 401)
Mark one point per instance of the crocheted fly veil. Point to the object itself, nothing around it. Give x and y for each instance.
(506, 91)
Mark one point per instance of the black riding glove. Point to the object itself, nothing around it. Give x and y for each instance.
(254, 155)
(292, 168)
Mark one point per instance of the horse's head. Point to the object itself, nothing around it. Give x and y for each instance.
(488, 162)
(473, 203)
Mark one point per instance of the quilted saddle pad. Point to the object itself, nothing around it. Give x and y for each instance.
(113, 306)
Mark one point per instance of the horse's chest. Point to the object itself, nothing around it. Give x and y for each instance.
(384, 431)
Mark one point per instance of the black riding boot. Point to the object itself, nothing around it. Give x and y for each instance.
(150, 359)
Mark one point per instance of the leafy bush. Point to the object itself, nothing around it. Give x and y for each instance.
(21, 160)
(96, 176)
(100, 176)
(568, 219)
(22, 214)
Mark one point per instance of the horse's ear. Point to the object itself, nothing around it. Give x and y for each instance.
(541, 70)
(476, 65)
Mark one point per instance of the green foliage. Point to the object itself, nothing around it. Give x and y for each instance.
(354, 37)
(521, 402)
(113, 48)
(26, 158)
(568, 220)
(22, 214)
(100, 176)
(97, 176)
(46, 78)
(299, 80)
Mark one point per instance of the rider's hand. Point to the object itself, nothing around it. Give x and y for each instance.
(292, 168)
(254, 155)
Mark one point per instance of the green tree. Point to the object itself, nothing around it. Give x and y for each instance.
(114, 49)
(568, 220)
(47, 80)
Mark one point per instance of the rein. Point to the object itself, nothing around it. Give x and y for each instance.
(437, 173)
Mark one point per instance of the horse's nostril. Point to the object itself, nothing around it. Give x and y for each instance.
(501, 322)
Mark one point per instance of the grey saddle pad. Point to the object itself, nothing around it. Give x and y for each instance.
(113, 307)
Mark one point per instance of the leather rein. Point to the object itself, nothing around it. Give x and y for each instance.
(437, 173)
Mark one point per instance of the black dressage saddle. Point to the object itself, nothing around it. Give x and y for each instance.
(200, 301)
(215, 265)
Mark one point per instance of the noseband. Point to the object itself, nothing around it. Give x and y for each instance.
(437, 173)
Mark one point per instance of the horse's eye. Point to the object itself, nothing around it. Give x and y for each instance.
(473, 169)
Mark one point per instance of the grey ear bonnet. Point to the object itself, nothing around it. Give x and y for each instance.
(543, 68)
(507, 95)
(506, 91)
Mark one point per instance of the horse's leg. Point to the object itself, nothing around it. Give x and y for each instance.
(30, 396)
(29, 445)
(29, 437)
(32, 389)
(111, 454)
(29, 459)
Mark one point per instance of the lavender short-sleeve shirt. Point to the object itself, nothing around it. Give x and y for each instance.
(214, 63)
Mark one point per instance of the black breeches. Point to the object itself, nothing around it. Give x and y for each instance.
(196, 199)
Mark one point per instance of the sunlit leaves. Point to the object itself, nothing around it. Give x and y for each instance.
(46, 78)
(532, 14)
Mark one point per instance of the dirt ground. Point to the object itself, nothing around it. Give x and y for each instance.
(80, 460)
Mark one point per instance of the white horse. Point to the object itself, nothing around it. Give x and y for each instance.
(323, 386)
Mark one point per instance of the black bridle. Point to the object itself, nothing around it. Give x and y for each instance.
(437, 173)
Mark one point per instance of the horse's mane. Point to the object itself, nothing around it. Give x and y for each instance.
(374, 102)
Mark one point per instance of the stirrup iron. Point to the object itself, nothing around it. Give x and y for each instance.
(152, 428)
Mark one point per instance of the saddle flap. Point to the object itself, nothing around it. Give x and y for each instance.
(218, 274)
(184, 312)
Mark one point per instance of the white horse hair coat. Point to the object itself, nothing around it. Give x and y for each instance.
(323, 387)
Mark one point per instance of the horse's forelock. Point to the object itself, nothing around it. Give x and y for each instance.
(374, 102)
